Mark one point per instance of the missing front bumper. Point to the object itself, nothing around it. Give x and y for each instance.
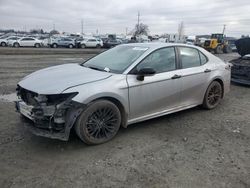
(46, 126)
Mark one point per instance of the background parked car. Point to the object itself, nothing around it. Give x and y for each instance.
(61, 42)
(12, 40)
(91, 43)
(28, 42)
(111, 43)
(5, 40)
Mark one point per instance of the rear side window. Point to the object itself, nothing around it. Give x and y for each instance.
(203, 58)
(189, 57)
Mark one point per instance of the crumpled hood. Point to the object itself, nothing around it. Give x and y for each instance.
(56, 79)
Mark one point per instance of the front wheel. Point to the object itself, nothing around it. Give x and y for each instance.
(83, 46)
(71, 46)
(99, 123)
(213, 95)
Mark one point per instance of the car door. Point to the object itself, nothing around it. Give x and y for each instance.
(62, 42)
(157, 93)
(195, 72)
(30, 42)
(24, 42)
(92, 42)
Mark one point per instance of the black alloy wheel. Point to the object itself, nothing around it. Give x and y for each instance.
(99, 123)
(213, 95)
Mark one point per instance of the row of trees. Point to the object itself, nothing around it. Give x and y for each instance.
(140, 29)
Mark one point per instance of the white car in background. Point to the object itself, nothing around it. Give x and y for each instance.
(12, 40)
(91, 43)
(28, 42)
(5, 40)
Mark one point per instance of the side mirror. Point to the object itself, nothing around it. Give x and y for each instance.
(147, 71)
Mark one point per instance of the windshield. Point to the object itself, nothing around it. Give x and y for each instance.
(116, 59)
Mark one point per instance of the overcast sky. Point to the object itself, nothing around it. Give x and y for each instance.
(114, 16)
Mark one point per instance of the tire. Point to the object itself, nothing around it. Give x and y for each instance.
(227, 49)
(37, 45)
(213, 95)
(54, 45)
(3, 44)
(71, 46)
(83, 46)
(16, 45)
(98, 46)
(99, 123)
(218, 49)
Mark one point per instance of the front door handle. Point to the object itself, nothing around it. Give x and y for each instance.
(207, 70)
(176, 76)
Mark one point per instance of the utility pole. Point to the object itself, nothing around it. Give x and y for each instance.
(224, 28)
(138, 22)
(54, 26)
(82, 26)
(138, 18)
(126, 31)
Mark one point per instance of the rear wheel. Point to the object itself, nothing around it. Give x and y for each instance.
(213, 95)
(16, 45)
(227, 49)
(37, 45)
(54, 45)
(99, 123)
(71, 46)
(218, 49)
(98, 46)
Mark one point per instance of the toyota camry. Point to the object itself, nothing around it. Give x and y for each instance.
(127, 84)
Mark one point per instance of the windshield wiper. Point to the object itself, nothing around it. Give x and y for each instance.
(96, 68)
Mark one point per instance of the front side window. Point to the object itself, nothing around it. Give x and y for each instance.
(189, 57)
(162, 60)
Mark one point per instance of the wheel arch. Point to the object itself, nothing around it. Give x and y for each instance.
(118, 103)
(220, 80)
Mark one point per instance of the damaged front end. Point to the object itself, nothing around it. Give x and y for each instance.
(48, 115)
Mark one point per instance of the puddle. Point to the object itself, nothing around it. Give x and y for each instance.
(8, 98)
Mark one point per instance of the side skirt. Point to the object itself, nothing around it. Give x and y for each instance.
(161, 113)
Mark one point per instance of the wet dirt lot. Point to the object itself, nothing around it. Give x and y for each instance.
(193, 148)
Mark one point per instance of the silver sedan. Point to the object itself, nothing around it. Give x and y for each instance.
(121, 86)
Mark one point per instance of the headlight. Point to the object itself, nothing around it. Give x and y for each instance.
(56, 98)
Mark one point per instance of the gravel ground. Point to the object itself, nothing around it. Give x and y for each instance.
(192, 148)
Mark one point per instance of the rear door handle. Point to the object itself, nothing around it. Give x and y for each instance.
(207, 70)
(176, 76)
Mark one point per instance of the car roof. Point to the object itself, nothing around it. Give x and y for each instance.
(156, 45)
